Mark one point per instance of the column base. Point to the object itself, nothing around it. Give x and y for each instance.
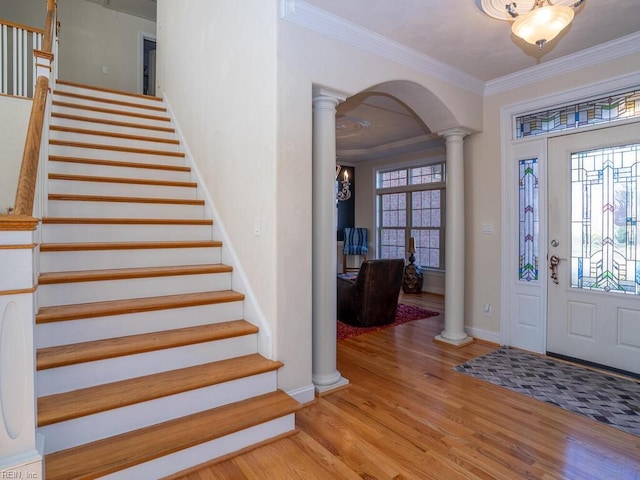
(322, 390)
(454, 343)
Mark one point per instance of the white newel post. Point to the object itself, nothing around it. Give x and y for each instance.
(325, 377)
(453, 333)
(20, 447)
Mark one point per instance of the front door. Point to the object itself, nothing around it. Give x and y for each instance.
(594, 247)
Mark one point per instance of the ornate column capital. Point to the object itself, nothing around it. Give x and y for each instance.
(327, 98)
(455, 132)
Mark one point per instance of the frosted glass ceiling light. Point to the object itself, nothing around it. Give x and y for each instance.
(536, 21)
(542, 24)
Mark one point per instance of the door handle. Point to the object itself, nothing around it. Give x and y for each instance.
(554, 261)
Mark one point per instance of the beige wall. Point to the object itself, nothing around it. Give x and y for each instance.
(240, 81)
(92, 36)
(31, 13)
(14, 120)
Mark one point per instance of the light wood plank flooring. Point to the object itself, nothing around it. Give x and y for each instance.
(407, 415)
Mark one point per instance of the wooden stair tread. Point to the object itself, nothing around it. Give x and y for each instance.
(103, 121)
(117, 163)
(109, 101)
(117, 148)
(124, 113)
(51, 278)
(108, 90)
(88, 246)
(88, 401)
(103, 133)
(119, 307)
(125, 221)
(131, 181)
(116, 199)
(72, 354)
(109, 455)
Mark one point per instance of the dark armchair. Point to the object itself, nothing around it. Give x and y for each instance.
(372, 297)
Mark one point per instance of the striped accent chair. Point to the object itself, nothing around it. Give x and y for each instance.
(355, 243)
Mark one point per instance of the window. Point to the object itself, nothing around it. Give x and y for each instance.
(601, 110)
(411, 204)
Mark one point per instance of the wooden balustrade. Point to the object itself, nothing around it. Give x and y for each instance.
(27, 180)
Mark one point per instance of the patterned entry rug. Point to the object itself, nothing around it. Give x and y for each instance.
(606, 398)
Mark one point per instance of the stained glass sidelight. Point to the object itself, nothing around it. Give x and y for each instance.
(605, 253)
(602, 110)
(528, 220)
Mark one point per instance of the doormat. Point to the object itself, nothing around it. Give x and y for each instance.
(609, 399)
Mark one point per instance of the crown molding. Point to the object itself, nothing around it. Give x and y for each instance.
(620, 47)
(300, 13)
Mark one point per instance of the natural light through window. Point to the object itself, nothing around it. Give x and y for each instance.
(411, 204)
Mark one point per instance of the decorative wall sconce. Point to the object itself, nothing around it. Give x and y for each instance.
(345, 193)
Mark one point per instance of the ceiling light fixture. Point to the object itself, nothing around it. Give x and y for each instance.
(536, 22)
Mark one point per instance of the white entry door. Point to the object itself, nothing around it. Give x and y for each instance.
(594, 214)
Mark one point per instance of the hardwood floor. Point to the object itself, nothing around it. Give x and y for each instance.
(407, 415)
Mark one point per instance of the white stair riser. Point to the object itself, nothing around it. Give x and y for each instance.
(120, 156)
(190, 457)
(73, 168)
(108, 140)
(73, 233)
(112, 128)
(162, 121)
(102, 291)
(103, 259)
(112, 189)
(79, 90)
(129, 109)
(67, 208)
(90, 374)
(89, 329)
(75, 432)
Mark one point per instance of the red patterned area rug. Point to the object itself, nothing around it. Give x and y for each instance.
(404, 314)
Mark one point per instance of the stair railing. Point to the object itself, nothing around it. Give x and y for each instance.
(17, 63)
(22, 448)
(45, 70)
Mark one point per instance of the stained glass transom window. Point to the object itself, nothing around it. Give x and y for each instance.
(602, 110)
(528, 220)
(605, 252)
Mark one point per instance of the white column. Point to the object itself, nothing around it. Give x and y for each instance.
(21, 448)
(325, 377)
(453, 333)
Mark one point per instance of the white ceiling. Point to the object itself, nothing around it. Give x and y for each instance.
(480, 48)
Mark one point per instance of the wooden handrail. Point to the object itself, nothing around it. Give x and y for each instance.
(21, 27)
(29, 169)
(25, 194)
(47, 44)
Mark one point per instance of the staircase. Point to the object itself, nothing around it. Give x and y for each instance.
(145, 365)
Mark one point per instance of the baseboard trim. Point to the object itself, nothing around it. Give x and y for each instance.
(303, 395)
(485, 335)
